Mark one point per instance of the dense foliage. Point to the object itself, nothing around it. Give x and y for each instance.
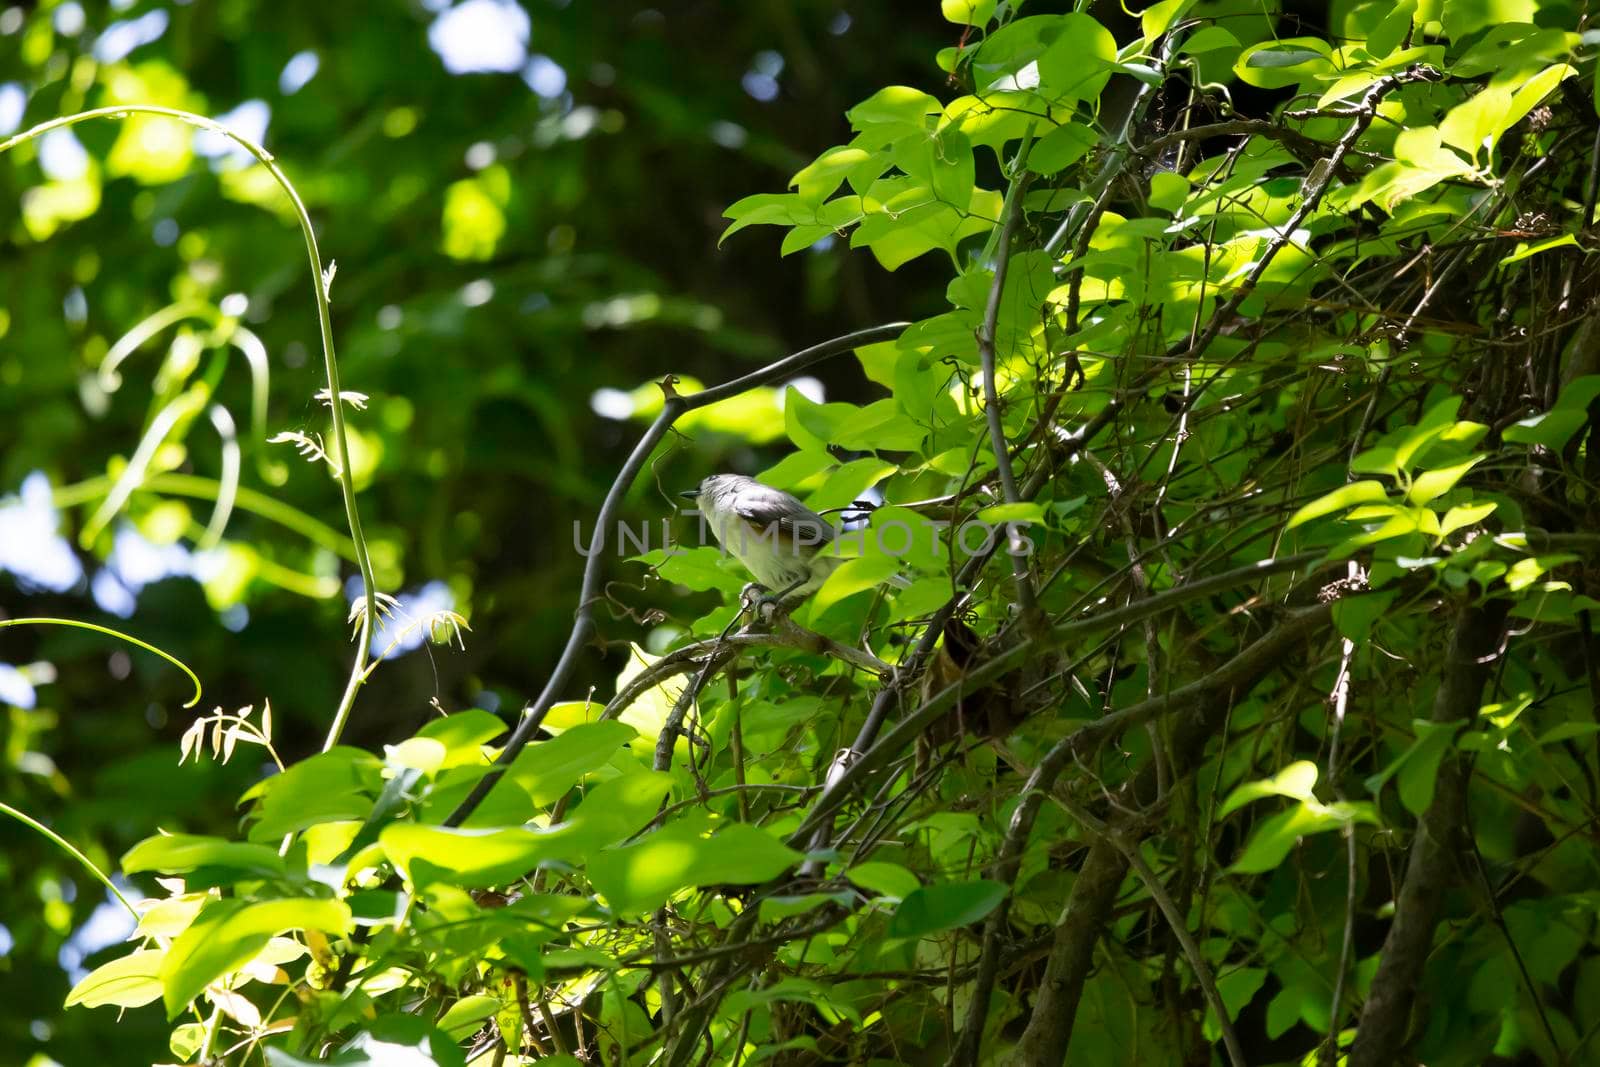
(1239, 703)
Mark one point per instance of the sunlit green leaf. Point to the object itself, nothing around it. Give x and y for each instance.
(1435, 483)
(1296, 780)
(547, 769)
(127, 982)
(182, 853)
(228, 933)
(1346, 496)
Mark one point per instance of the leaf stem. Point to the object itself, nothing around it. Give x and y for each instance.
(70, 849)
(97, 628)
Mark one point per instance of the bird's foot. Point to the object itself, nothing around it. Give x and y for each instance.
(765, 607)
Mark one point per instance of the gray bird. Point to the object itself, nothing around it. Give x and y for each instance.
(778, 539)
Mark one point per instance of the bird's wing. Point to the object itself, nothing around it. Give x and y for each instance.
(772, 509)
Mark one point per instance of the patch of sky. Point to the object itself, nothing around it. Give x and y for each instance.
(120, 38)
(31, 546)
(481, 36)
(300, 69)
(249, 120)
(13, 104)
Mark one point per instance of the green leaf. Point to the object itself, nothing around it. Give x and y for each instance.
(1525, 572)
(1554, 428)
(129, 981)
(640, 877)
(931, 909)
(1158, 18)
(1355, 615)
(1061, 147)
(1554, 606)
(1377, 460)
(464, 734)
(478, 858)
(339, 784)
(1464, 515)
(801, 466)
(1417, 766)
(769, 209)
(852, 577)
(849, 482)
(228, 933)
(1276, 836)
(967, 12)
(1283, 1012)
(1477, 122)
(1168, 191)
(699, 569)
(821, 178)
(1023, 511)
(1435, 421)
(1527, 249)
(494, 856)
(896, 106)
(1391, 32)
(1435, 483)
(1208, 39)
(466, 1015)
(776, 909)
(1296, 780)
(1277, 64)
(1237, 988)
(1346, 496)
(1078, 64)
(1421, 771)
(547, 769)
(182, 853)
(884, 879)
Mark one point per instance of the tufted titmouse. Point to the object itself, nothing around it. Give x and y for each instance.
(778, 539)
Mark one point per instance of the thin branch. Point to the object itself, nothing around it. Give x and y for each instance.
(991, 394)
(913, 725)
(1191, 951)
(1432, 865)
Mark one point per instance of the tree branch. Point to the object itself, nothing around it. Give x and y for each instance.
(1431, 867)
(1212, 694)
(1049, 1030)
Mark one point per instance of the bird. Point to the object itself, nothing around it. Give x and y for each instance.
(777, 538)
(780, 541)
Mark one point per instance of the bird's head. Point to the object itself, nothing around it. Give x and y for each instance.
(713, 487)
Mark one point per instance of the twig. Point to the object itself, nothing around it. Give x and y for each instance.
(1327, 1055)
(991, 395)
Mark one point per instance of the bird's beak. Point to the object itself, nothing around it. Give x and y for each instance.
(690, 494)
